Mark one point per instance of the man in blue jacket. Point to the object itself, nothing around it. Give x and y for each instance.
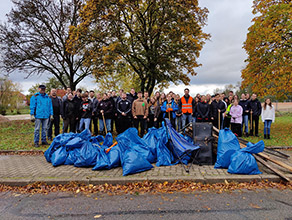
(41, 110)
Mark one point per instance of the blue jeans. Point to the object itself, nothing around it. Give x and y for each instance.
(245, 123)
(38, 123)
(267, 126)
(86, 122)
(186, 118)
(107, 124)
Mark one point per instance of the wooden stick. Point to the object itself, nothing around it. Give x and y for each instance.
(104, 123)
(275, 170)
(251, 124)
(219, 120)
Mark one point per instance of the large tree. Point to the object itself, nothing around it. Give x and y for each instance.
(269, 49)
(160, 40)
(34, 40)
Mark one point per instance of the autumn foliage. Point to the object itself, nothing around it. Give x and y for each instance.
(268, 45)
(159, 41)
(144, 187)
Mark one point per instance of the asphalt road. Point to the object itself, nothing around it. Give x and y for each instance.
(264, 204)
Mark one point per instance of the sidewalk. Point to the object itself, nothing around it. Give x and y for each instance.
(21, 170)
(18, 117)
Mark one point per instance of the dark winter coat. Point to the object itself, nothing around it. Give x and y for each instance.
(69, 108)
(245, 106)
(214, 108)
(107, 107)
(124, 106)
(203, 110)
(255, 107)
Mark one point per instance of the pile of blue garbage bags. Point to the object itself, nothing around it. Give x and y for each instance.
(133, 153)
(238, 161)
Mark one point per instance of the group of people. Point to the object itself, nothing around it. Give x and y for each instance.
(102, 113)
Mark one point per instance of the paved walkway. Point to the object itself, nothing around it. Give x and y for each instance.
(22, 170)
(18, 117)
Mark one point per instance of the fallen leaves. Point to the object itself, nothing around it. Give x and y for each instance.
(140, 188)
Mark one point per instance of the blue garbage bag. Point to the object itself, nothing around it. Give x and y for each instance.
(114, 157)
(102, 161)
(59, 156)
(134, 163)
(151, 140)
(227, 145)
(85, 135)
(72, 157)
(131, 139)
(99, 138)
(164, 156)
(88, 155)
(108, 160)
(60, 140)
(243, 162)
(76, 142)
(108, 141)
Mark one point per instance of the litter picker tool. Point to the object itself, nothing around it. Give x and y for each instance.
(105, 128)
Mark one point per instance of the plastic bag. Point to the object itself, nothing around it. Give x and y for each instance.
(243, 162)
(72, 156)
(134, 163)
(59, 156)
(164, 156)
(102, 161)
(108, 140)
(227, 145)
(60, 140)
(130, 139)
(88, 155)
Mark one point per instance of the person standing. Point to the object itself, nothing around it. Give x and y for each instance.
(168, 108)
(104, 110)
(152, 106)
(124, 108)
(268, 117)
(217, 109)
(244, 103)
(178, 113)
(41, 110)
(236, 118)
(69, 112)
(94, 103)
(140, 113)
(77, 99)
(57, 105)
(203, 110)
(186, 105)
(85, 112)
(255, 112)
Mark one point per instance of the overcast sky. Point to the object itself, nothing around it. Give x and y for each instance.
(222, 57)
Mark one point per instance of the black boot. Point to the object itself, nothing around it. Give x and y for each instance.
(265, 136)
(269, 136)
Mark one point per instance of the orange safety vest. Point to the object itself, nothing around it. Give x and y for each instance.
(187, 107)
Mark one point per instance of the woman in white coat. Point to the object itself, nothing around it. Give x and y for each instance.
(268, 116)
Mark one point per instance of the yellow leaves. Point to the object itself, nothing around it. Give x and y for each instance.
(97, 216)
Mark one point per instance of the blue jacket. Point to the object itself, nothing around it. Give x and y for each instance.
(174, 107)
(41, 106)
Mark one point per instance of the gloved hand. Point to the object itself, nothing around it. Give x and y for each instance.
(32, 118)
(170, 109)
(51, 118)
